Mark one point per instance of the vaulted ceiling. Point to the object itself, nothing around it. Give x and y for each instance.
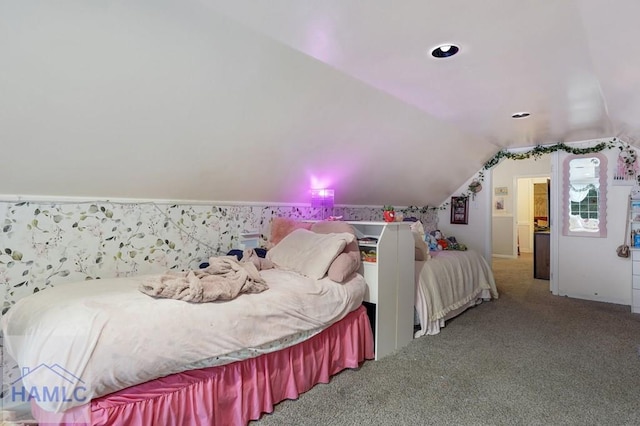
(250, 100)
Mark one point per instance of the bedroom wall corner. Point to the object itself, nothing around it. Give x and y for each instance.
(475, 234)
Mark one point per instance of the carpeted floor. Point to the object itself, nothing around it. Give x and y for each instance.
(529, 358)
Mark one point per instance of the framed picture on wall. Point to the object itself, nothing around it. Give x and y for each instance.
(460, 210)
(501, 190)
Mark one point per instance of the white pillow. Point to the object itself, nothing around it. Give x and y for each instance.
(421, 247)
(308, 253)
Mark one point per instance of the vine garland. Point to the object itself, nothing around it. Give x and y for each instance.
(627, 152)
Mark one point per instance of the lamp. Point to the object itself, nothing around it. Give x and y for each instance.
(322, 198)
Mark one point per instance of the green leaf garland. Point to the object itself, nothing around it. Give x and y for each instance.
(536, 152)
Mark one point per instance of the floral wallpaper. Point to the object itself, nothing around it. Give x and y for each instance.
(43, 244)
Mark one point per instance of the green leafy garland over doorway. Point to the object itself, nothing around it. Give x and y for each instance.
(536, 152)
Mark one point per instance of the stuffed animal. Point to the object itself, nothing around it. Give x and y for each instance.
(437, 241)
(453, 244)
(440, 243)
(431, 241)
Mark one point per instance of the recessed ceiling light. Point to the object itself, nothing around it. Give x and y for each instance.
(520, 115)
(445, 50)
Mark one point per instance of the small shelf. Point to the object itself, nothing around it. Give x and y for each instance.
(390, 281)
(367, 244)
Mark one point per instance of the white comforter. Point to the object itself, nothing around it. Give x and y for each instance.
(112, 336)
(447, 282)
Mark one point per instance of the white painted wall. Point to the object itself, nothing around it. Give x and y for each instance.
(474, 234)
(524, 214)
(589, 268)
(169, 99)
(502, 236)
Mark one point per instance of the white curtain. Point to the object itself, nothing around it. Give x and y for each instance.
(578, 192)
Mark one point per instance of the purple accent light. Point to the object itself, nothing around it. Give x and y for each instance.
(322, 198)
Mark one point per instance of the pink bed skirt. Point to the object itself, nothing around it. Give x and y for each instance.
(231, 394)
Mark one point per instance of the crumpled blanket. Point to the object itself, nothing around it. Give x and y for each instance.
(224, 279)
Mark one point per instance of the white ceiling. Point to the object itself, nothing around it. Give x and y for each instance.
(249, 100)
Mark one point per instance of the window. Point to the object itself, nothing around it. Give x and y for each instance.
(585, 195)
(588, 207)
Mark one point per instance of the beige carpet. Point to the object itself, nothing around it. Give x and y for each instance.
(529, 358)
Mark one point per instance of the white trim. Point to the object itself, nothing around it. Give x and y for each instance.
(118, 200)
(555, 224)
(488, 222)
(62, 199)
(574, 144)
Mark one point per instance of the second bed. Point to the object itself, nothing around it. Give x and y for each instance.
(448, 284)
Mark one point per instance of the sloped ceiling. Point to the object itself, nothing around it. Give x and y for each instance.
(249, 100)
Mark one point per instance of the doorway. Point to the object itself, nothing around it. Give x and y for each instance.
(521, 207)
(531, 210)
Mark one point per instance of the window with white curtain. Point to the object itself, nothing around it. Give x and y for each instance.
(584, 202)
(585, 192)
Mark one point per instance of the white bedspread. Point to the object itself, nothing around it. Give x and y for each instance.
(112, 336)
(447, 282)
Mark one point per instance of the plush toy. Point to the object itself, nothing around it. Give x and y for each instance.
(431, 242)
(440, 243)
(453, 244)
(437, 241)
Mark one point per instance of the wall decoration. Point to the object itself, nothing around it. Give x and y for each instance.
(626, 172)
(501, 190)
(499, 204)
(460, 210)
(475, 187)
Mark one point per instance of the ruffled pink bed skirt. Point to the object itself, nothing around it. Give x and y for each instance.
(231, 394)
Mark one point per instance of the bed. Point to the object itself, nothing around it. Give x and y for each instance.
(448, 283)
(103, 352)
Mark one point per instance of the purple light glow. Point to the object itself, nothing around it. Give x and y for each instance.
(322, 197)
(318, 183)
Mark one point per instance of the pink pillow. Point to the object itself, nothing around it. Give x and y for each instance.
(344, 266)
(348, 261)
(283, 226)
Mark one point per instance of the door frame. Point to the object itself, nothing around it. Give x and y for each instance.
(554, 198)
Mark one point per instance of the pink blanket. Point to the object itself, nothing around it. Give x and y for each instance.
(224, 279)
